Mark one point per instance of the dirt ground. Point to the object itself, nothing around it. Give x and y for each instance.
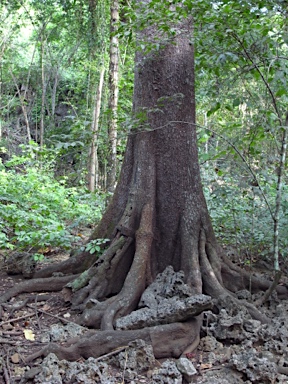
(22, 323)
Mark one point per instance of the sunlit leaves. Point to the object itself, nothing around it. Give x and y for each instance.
(37, 211)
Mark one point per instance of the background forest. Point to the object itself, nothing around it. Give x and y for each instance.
(66, 87)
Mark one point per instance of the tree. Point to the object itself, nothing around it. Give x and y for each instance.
(93, 174)
(113, 96)
(157, 217)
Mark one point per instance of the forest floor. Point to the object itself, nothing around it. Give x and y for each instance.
(25, 325)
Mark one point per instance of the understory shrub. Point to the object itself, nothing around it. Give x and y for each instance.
(38, 211)
(241, 217)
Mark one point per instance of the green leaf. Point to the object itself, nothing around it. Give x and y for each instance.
(214, 109)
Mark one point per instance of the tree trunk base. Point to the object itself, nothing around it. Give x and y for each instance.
(112, 287)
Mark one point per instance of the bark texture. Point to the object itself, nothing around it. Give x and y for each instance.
(93, 166)
(113, 96)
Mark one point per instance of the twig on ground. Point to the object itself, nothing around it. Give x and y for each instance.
(1, 311)
(4, 341)
(50, 314)
(12, 333)
(36, 314)
(7, 371)
(120, 349)
(6, 375)
(17, 319)
(17, 307)
(215, 368)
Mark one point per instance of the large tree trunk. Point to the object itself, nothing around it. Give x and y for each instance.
(161, 165)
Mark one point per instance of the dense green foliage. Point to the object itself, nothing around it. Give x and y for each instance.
(38, 211)
(51, 55)
(242, 81)
(240, 217)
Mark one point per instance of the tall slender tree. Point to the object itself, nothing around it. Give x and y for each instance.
(113, 96)
(93, 171)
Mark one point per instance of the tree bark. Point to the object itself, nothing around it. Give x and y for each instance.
(93, 158)
(113, 96)
(179, 336)
(24, 108)
(43, 89)
(163, 146)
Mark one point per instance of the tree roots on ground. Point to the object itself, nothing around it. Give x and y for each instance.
(112, 286)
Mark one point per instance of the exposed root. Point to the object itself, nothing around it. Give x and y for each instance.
(238, 278)
(122, 283)
(135, 282)
(270, 290)
(211, 284)
(115, 273)
(94, 312)
(215, 289)
(77, 263)
(214, 259)
(191, 348)
(95, 282)
(167, 340)
(190, 258)
(37, 285)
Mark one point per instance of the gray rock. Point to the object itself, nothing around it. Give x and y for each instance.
(59, 333)
(55, 371)
(281, 309)
(275, 336)
(251, 325)
(186, 367)
(209, 344)
(211, 358)
(168, 311)
(168, 373)
(138, 356)
(29, 375)
(50, 372)
(215, 380)
(167, 284)
(244, 295)
(257, 369)
(167, 300)
(20, 262)
(268, 355)
(227, 326)
(232, 308)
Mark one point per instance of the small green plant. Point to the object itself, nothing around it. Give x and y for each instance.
(95, 246)
(38, 257)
